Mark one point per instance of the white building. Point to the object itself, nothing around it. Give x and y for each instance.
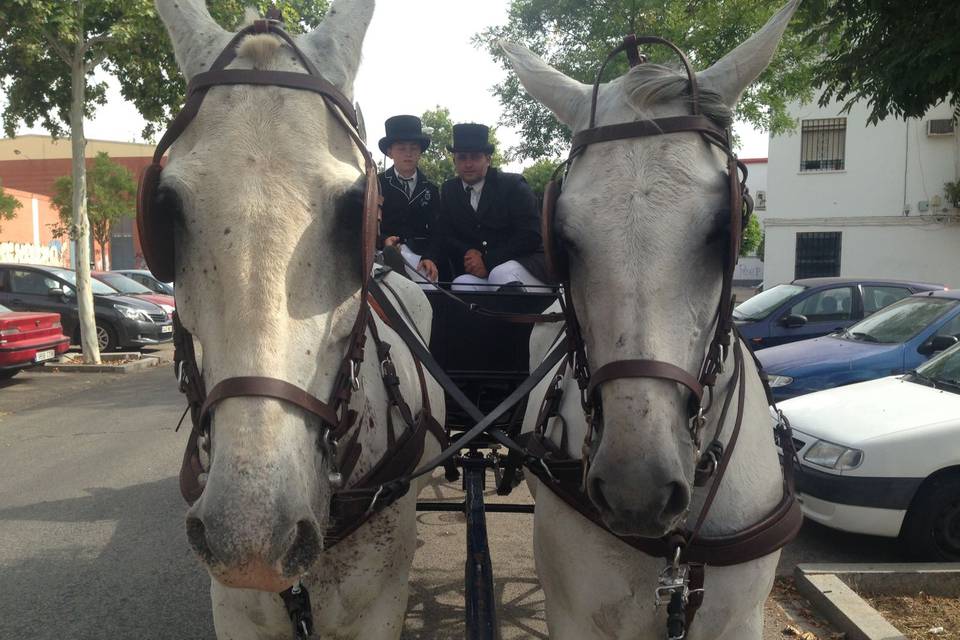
(749, 271)
(850, 199)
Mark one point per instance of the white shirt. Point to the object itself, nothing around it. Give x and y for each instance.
(475, 192)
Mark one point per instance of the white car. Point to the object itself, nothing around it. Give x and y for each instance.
(883, 457)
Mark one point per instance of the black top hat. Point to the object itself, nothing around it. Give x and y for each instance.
(403, 129)
(471, 137)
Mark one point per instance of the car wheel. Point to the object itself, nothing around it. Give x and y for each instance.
(6, 374)
(932, 527)
(106, 337)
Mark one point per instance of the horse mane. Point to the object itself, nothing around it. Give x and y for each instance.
(648, 84)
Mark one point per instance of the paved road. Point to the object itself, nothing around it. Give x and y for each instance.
(91, 532)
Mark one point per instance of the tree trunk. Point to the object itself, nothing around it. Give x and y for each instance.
(88, 325)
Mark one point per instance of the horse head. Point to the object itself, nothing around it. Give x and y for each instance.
(263, 192)
(644, 222)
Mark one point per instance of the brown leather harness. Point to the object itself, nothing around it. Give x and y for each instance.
(687, 551)
(354, 500)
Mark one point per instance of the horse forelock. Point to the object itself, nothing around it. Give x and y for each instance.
(648, 85)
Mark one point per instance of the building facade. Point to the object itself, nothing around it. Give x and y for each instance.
(31, 164)
(851, 199)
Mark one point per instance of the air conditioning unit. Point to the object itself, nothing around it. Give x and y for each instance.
(940, 127)
(760, 202)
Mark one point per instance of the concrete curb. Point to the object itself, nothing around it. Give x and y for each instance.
(123, 363)
(827, 586)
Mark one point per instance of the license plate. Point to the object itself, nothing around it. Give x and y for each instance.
(41, 356)
(166, 329)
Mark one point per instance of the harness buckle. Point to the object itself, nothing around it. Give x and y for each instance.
(674, 579)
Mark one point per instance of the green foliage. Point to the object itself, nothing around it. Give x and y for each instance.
(436, 162)
(752, 237)
(111, 193)
(8, 205)
(39, 37)
(539, 174)
(952, 191)
(901, 57)
(576, 36)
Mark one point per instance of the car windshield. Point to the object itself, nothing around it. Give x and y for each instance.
(71, 277)
(122, 283)
(944, 367)
(762, 304)
(900, 321)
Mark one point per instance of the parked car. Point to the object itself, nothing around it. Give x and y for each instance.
(130, 287)
(894, 340)
(814, 307)
(122, 321)
(28, 339)
(147, 279)
(881, 457)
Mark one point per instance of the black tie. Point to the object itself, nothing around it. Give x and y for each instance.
(408, 186)
(469, 190)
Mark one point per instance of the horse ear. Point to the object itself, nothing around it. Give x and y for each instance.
(737, 70)
(197, 38)
(337, 43)
(568, 99)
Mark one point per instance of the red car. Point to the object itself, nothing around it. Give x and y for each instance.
(27, 339)
(130, 287)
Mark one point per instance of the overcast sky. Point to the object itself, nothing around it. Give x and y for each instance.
(417, 55)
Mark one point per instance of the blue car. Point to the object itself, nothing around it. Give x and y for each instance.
(814, 307)
(894, 340)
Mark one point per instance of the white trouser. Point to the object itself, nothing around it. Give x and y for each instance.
(504, 273)
(411, 262)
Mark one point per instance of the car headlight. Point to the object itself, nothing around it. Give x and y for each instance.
(833, 456)
(168, 309)
(779, 381)
(130, 312)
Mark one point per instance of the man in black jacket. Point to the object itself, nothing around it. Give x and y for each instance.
(410, 201)
(489, 220)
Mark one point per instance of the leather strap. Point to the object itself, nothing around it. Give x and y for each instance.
(643, 369)
(644, 129)
(258, 386)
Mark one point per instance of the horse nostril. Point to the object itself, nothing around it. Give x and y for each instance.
(677, 502)
(304, 549)
(197, 535)
(595, 492)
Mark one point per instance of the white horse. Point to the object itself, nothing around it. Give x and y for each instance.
(637, 217)
(268, 281)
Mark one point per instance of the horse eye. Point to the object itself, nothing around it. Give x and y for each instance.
(721, 227)
(168, 204)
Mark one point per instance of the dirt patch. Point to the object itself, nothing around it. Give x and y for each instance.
(787, 614)
(920, 616)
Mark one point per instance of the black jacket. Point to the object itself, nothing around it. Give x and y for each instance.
(505, 226)
(413, 220)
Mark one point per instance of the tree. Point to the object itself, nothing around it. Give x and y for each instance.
(48, 51)
(539, 174)
(576, 36)
(111, 189)
(752, 237)
(436, 162)
(8, 205)
(901, 57)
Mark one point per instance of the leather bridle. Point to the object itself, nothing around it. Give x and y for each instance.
(157, 236)
(590, 381)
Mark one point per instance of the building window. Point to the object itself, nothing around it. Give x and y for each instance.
(823, 144)
(818, 255)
